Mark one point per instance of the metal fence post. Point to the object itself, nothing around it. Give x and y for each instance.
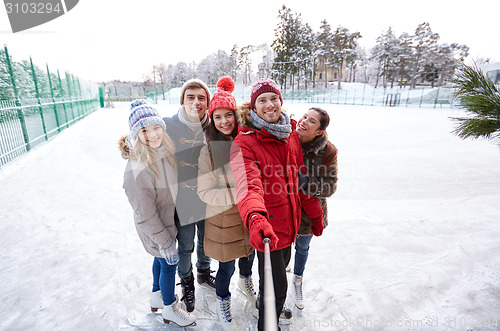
(40, 107)
(437, 97)
(18, 101)
(69, 95)
(82, 102)
(62, 97)
(78, 96)
(53, 100)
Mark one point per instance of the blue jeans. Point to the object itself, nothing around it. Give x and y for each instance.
(164, 280)
(226, 271)
(301, 252)
(185, 247)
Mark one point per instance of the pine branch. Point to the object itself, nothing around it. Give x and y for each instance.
(479, 95)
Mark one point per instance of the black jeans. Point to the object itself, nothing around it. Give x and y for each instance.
(279, 261)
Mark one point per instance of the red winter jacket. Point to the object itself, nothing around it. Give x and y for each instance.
(266, 173)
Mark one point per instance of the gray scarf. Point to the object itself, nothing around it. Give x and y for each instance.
(280, 130)
(194, 126)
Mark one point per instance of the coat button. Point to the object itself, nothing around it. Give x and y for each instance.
(271, 217)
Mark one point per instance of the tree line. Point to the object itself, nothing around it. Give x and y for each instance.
(293, 59)
(50, 84)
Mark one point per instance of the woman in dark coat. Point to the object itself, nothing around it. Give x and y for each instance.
(320, 160)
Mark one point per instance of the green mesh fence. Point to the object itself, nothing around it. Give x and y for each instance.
(35, 106)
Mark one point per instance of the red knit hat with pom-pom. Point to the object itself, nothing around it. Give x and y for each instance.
(223, 98)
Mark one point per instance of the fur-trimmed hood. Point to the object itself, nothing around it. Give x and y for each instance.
(243, 114)
(125, 147)
(315, 145)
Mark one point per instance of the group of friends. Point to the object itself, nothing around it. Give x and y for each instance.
(219, 178)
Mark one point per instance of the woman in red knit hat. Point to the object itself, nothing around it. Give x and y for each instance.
(226, 238)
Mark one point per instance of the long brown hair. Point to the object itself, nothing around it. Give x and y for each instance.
(220, 152)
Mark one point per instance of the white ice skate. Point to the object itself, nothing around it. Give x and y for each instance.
(224, 313)
(176, 314)
(297, 287)
(156, 301)
(245, 285)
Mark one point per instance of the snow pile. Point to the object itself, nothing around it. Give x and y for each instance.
(412, 242)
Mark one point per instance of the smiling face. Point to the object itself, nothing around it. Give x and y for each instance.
(151, 135)
(308, 126)
(268, 107)
(224, 120)
(195, 103)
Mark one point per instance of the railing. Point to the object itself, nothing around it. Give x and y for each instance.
(42, 109)
(25, 126)
(350, 94)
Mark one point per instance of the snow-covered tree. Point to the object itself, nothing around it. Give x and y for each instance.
(404, 58)
(302, 53)
(265, 67)
(234, 63)
(424, 50)
(324, 50)
(6, 90)
(385, 54)
(344, 48)
(448, 58)
(284, 45)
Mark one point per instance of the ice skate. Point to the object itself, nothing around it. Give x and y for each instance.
(156, 301)
(245, 284)
(176, 314)
(297, 288)
(224, 313)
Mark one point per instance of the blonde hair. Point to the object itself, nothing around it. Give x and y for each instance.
(149, 156)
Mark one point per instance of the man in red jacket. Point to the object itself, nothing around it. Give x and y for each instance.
(266, 156)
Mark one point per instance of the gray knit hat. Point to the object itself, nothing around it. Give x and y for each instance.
(143, 114)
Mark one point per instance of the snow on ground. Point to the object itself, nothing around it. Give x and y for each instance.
(412, 243)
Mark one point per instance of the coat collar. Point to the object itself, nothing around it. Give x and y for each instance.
(315, 145)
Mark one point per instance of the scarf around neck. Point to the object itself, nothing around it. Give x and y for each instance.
(280, 130)
(194, 126)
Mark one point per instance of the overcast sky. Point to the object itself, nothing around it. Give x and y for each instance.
(122, 39)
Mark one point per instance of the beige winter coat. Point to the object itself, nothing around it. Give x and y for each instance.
(152, 200)
(226, 238)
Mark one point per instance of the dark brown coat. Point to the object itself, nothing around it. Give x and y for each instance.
(320, 160)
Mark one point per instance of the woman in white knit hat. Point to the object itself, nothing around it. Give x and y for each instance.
(150, 182)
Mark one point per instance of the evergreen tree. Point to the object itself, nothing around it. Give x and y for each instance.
(265, 66)
(324, 51)
(283, 45)
(293, 47)
(425, 48)
(385, 55)
(6, 90)
(234, 63)
(448, 58)
(344, 46)
(481, 97)
(302, 54)
(404, 59)
(245, 63)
